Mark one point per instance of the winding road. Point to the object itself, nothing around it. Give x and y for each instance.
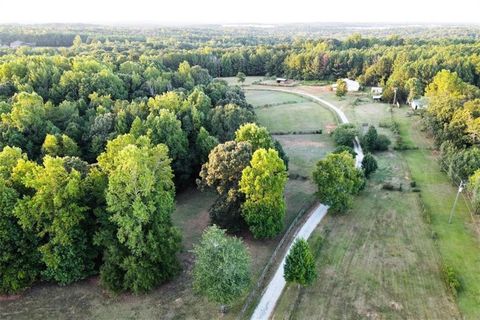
(276, 285)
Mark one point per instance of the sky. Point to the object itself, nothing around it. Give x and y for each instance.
(238, 11)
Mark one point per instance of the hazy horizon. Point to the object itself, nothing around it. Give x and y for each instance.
(246, 12)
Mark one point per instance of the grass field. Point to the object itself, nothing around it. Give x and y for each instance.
(378, 261)
(458, 242)
(259, 98)
(304, 151)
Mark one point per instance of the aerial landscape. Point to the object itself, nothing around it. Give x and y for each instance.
(194, 160)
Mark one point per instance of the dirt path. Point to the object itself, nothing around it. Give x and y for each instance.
(274, 289)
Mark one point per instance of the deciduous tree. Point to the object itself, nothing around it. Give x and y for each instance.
(337, 180)
(263, 183)
(222, 267)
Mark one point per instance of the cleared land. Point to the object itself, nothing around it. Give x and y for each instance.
(304, 151)
(378, 261)
(458, 243)
(233, 81)
(260, 98)
(300, 116)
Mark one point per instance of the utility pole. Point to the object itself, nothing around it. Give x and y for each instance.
(460, 189)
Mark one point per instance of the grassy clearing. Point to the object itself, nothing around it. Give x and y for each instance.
(378, 261)
(260, 98)
(304, 151)
(457, 242)
(295, 117)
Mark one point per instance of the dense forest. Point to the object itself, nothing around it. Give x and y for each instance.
(100, 128)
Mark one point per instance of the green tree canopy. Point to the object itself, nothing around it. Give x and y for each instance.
(369, 164)
(223, 172)
(258, 136)
(222, 266)
(344, 135)
(263, 183)
(300, 264)
(337, 180)
(140, 244)
(56, 214)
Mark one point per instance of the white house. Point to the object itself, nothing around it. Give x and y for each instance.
(352, 85)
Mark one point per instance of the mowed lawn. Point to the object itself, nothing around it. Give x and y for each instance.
(358, 107)
(458, 242)
(304, 151)
(260, 98)
(377, 261)
(300, 116)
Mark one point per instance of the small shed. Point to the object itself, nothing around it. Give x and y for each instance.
(281, 80)
(352, 85)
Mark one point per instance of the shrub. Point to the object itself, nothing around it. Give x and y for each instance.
(341, 88)
(345, 134)
(300, 264)
(341, 149)
(382, 143)
(369, 164)
(452, 279)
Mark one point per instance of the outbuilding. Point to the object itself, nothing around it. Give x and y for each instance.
(352, 85)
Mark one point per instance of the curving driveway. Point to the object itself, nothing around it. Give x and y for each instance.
(276, 285)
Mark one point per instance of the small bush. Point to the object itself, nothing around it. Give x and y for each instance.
(369, 164)
(383, 124)
(413, 184)
(382, 143)
(388, 186)
(344, 134)
(416, 190)
(452, 279)
(395, 127)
